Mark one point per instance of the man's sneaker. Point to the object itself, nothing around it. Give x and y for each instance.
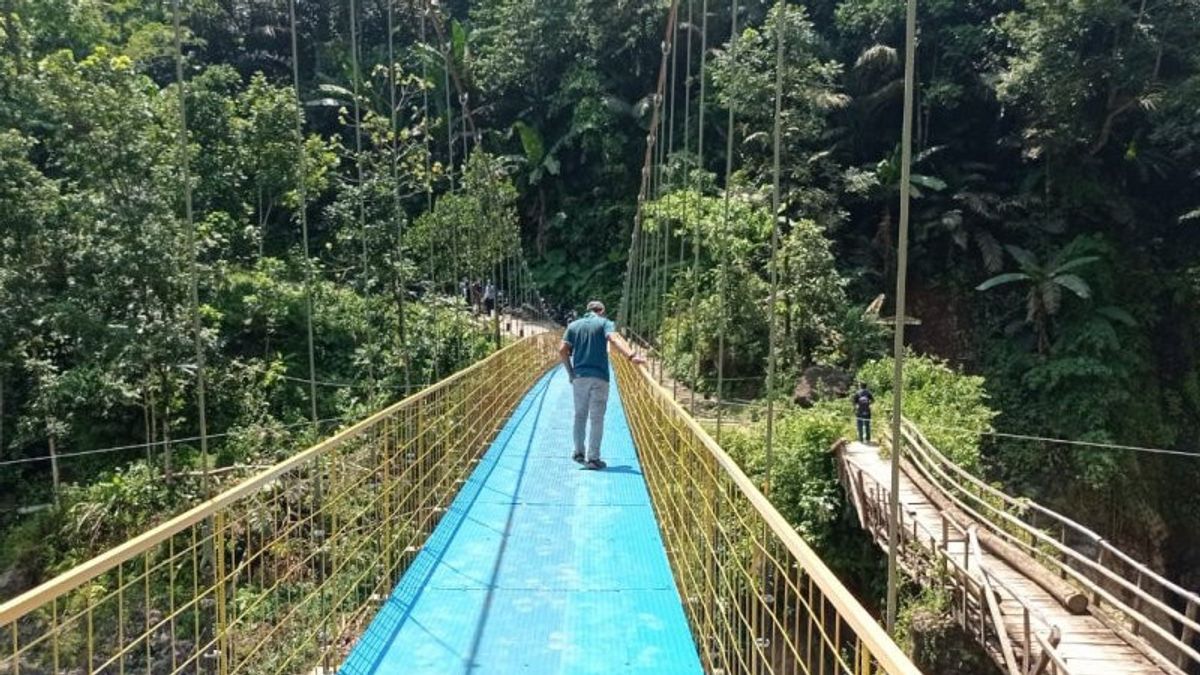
(595, 464)
(578, 458)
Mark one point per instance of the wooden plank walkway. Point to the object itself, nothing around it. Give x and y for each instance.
(1087, 645)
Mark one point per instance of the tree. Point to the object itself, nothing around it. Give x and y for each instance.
(1082, 70)
(1046, 282)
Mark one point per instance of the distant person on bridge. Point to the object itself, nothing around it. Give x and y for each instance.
(489, 297)
(584, 352)
(862, 401)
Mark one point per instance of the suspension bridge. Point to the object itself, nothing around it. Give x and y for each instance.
(1039, 591)
(450, 532)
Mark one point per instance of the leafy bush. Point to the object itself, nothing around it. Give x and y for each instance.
(948, 406)
(927, 631)
(804, 485)
(115, 508)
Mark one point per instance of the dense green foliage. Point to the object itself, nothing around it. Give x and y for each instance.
(1054, 250)
(950, 408)
(97, 347)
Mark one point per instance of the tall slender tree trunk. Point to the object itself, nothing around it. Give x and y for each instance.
(884, 238)
(540, 238)
(53, 445)
(166, 430)
(152, 433)
(148, 433)
(262, 225)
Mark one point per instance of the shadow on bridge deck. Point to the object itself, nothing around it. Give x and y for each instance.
(538, 565)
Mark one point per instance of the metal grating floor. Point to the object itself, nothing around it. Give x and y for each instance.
(538, 566)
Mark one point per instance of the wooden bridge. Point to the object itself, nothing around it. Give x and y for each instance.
(1042, 593)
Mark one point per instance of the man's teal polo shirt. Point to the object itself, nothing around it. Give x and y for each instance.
(588, 338)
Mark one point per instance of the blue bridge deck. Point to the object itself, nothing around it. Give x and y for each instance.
(539, 566)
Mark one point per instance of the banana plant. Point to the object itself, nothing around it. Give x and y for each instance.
(1045, 281)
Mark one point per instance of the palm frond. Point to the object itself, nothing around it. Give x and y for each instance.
(1024, 257)
(1075, 284)
(1076, 263)
(877, 56)
(1001, 279)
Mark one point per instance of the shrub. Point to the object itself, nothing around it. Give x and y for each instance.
(804, 485)
(948, 406)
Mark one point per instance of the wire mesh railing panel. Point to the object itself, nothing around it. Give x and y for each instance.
(282, 572)
(758, 599)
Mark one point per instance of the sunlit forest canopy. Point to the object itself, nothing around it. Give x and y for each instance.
(1054, 262)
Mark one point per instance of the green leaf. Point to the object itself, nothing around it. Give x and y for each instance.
(334, 90)
(877, 56)
(1001, 279)
(1075, 284)
(1076, 262)
(993, 254)
(458, 42)
(531, 140)
(928, 182)
(1025, 258)
(1117, 314)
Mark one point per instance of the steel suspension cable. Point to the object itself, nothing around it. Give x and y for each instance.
(650, 254)
(397, 212)
(694, 309)
(687, 151)
(910, 30)
(193, 253)
(672, 181)
(469, 245)
(654, 297)
(429, 186)
(721, 260)
(636, 235)
(683, 201)
(652, 264)
(780, 9)
(454, 231)
(683, 181)
(361, 199)
(302, 172)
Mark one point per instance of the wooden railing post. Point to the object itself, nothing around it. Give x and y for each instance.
(1135, 624)
(1027, 657)
(1185, 638)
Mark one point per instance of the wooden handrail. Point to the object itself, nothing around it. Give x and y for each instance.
(1048, 642)
(1023, 504)
(1006, 650)
(934, 465)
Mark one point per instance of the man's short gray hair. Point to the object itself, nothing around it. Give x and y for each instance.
(596, 306)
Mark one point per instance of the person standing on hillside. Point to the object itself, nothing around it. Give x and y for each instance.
(584, 353)
(862, 401)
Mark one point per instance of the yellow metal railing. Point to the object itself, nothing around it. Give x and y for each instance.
(282, 572)
(758, 599)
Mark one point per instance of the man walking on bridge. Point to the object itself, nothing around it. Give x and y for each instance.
(862, 401)
(584, 353)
